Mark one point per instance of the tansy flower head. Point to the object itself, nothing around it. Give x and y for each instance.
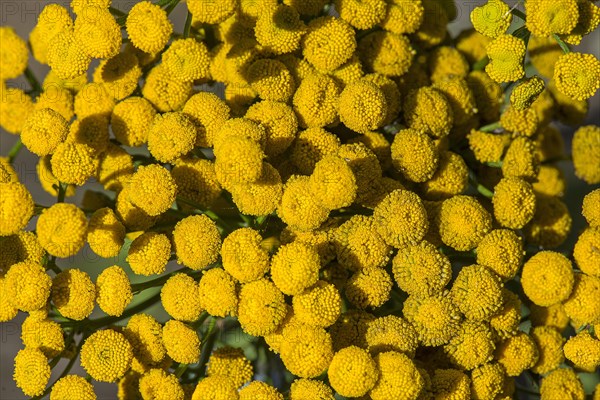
(159, 384)
(521, 160)
(260, 197)
(217, 293)
(446, 62)
(351, 328)
(319, 305)
(586, 252)
(520, 122)
(586, 153)
(149, 253)
(66, 55)
(23, 246)
(435, 318)
(91, 131)
(231, 362)
(358, 245)
(73, 294)
(517, 353)
(472, 347)
(352, 372)
(181, 341)
(550, 224)
(295, 267)
(61, 229)
(280, 30)
(491, 19)
(487, 147)
(583, 351)
(208, 112)
(271, 80)
(501, 250)
(280, 124)
(428, 110)
(460, 97)
(414, 155)
(450, 179)
(14, 54)
(197, 241)
(369, 287)
(298, 208)
(53, 19)
(196, 180)
(43, 131)
(106, 355)
(402, 17)
(547, 278)
(310, 146)
(450, 383)
(362, 106)
(477, 291)
(526, 92)
(106, 234)
(16, 208)
(421, 269)
(328, 43)
(554, 316)
(591, 208)
(57, 98)
(179, 297)
(187, 60)
(551, 181)
(242, 255)
(74, 163)
(463, 222)
(261, 307)
(259, 390)
(27, 286)
(32, 372)
(238, 161)
(386, 53)
(409, 229)
(215, 387)
(333, 183)
(506, 54)
(505, 322)
(546, 17)
(119, 75)
(72, 387)
(581, 306)
(316, 101)
(148, 27)
(113, 291)
(577, 75)
(145, 335)
(391, 333)
(171, 136)
(164, 92)
(93, 100)
(98, 33)
(306, 351)
(514, 202)
(488, 95)
(308, 389)
(549, 342)
(152, 189)
(560, 383)
(115, 167)
(15, 110)
(361, 15)
(487, 381)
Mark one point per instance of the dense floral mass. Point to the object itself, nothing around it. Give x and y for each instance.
(360, 205)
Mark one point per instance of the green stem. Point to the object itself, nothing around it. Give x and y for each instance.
(188, 25)
(210, 214)
(490, 127)
(62, 190)
(14, 151)
(180, 370)
(139, 287)
(171, 6)
(117, 12)
(33, 82)
(561, 43)
(495, 164)
(479, 187)
(480, 65)
(209, 343)
(518, 13)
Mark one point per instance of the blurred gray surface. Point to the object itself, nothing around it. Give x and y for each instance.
(22, 15)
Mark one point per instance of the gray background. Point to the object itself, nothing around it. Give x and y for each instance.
(22, 15)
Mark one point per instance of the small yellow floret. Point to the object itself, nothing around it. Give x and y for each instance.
(261, 307)
(391, 333)
(547, 278)
(316, 101)
(306, 351)
(501, 250)
(319, 305)
(149, 253)
(472, 347)
(242, 255)
(514, 202)
(414, 155)
(231, 362)
(328, 43)
(187, 60)
(181, 341)
(73, 294)
(435, 318)
(179, 297)
(72, 387)
(352, 372)
(560, 384)
(491, 19)
(362, 106)
(386, 53)
(32, 372)
(74, 163)
(148, 27)
(153, 189)
(546, 17)
(549, 342)
(463, 222)
(217, 293)
(421, 269)
(517, 354)
(591, 208)
(160, 385)
(586, 153)
(43, 131)
(477, 292)
(197, 241)
(398, 232)
(369, 287)
(62, 229)
(428, 110)
(506, 54)
(106, 355)
(280, 30)
(113, 291)
(98, 34)
(583, 351)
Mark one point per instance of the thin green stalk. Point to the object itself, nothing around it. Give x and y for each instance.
(480, 65)
(180, 370)
(116, 12)
(561, 43)
(495, 164)
(33, 82)
(139, 287)
(171, 6)
(518, 13)
(479, 187)
(188, 25)
(209, 342)
(491, 127)
(62, 191)
(14, 151)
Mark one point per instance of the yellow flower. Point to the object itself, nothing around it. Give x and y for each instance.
(589, 18)
(181, 341)
(152, 189)
(520, 122)
(298, 208)
(549, 342)
(43, 131)
(179, 297)
(501, 250)
(231, 362)
(428, 110)
(386, 53)
(27, 286)
(403, 17)
(261, 307)
(32, 372)
(217, 387)
(505, 322)
(551, 222)
(197, 241)
(517, 354)
(89, 6)
(16, 108)
(487, 381)
(280, 123)
(583, 351)
(369, 287)
(526, 92)
(57, 98)
(547, 278)
(309, 389)
(506, 54)
(400, 232)
(23, 246)
(461, 98)
(446, 62)
(328, 43)
(472, 44)
(72, 387)
(14, 54)
(477, 292)
(73, 85)
(295, 267)
(548, 140)
(361, 15)
(7, 310)
(53, 19)
(74, 163)
(98, 33)
(472, 347)
(62, 229)
(421, 269)
(319, 305)
(217, 293)
(487, 147)
(553, 315)
(187, 60)
(432, 30)
(351, 329)
(106, 355)
(208, 112)
(391, 334)
(310, 147)
(450, 384)
(362, 106)
(591, 208)
(352, 372)
(488, 95)
(562, 383)
(260, 197)
(271, 80)
(131, 120)
(113, 291)
(164, 92)
(280, 30)
(463, 222)
(399, 378)
(514, 202)
(160, 385)
(491, 19)
(450, 179)
(114, 170)
(91, 131)
(316, 101)
(259, 390)
(196, 180)
(546, 17)
(93, 100)
(106, 234)
(209, 12)
(43, 334)
(238, 161)
(358, 245)
(586, 153)
(587, 252)
(149, 254)
(16, 208)
(171, 136)
(145, 336)
(414, 155)
(242, 255)
(521, 160)
(148, 27)
(119, 75)
(582, 306)
(435, 318)
(66, 55)
(550, 181)
(73, 294)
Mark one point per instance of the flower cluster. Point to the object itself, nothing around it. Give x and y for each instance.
(360, 205)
